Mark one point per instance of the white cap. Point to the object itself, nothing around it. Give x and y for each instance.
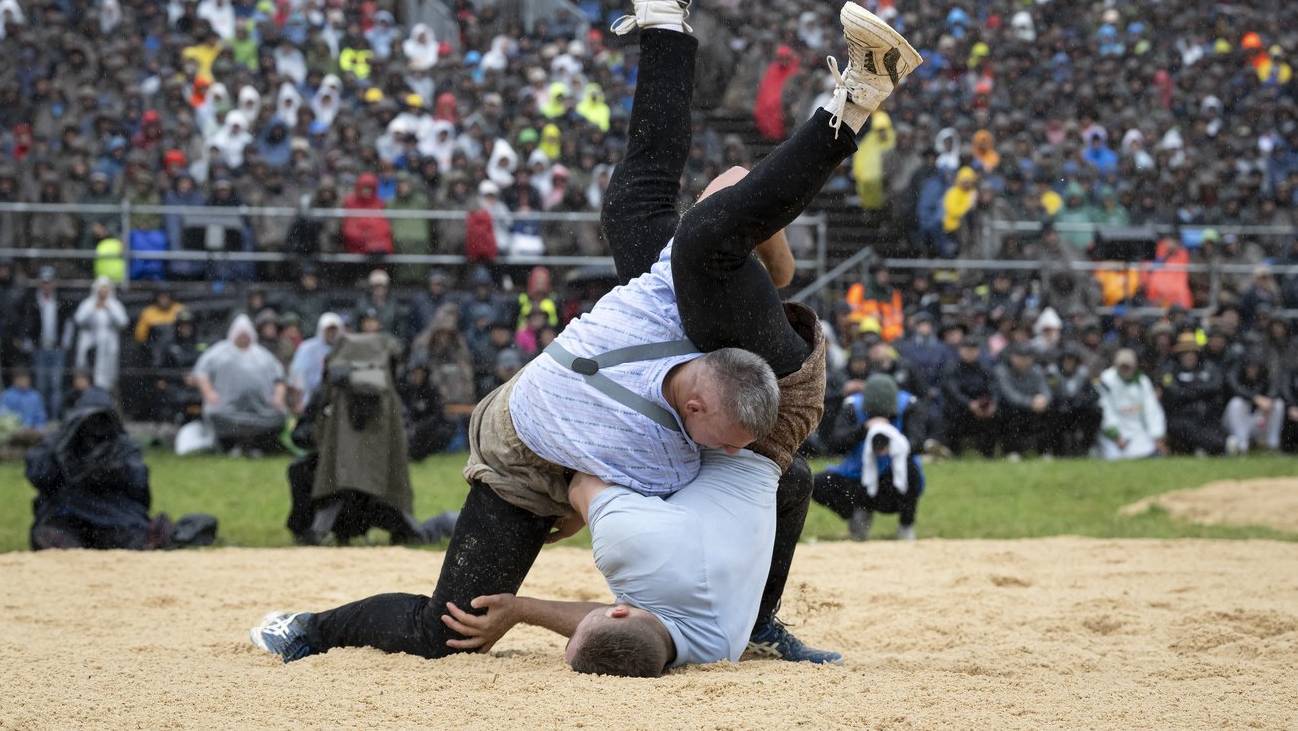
(379, 278)
(487, 187)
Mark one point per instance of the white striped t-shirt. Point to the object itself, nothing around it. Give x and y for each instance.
(568, 423)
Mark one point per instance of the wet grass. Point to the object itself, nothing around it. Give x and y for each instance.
(965, 498)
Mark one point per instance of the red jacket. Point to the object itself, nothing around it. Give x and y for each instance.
(1165, 285)
(480, 237)
(366, 234)
(768, 109)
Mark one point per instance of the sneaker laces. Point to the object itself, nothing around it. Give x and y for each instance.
(838, 104)
(279, 627)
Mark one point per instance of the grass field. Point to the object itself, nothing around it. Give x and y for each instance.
(965, 499)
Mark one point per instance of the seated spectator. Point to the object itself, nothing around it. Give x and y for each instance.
(176, 359)
(83, 387)
(881, 301)
(1134, 425)
(872, 430)
(426, 303)
(969, 401)
(528, 337)
(366, 234)
(161, 311)
(1166, 281)
(23, 401)
(925, 353)
(540, 297)
(507, 365)
(450, 366)
(1192, 400)
(290, 338)
(307, 367)
(243, 391)
(93, 488)
(1024, 398)
(1074, 416)
(1046, 332)
(380, 300)
(1254, 409)
(429, 430)
(500, 338)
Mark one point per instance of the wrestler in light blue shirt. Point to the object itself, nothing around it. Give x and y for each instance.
(698, 559)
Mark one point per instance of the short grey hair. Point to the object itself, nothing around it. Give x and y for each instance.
(747, 388)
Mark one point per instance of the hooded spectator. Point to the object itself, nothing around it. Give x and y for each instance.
(769, 110)
(100, 319)
(366, 234)
(243, 390)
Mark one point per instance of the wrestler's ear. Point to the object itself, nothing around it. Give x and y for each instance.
(695, 406)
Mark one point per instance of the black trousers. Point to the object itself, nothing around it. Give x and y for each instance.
(843, 495)
(961, 425)
(495, 543)
(1020, 429)
(725, 296)
(1187, 433)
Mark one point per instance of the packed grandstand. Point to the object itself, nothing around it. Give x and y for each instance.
(1036, 134)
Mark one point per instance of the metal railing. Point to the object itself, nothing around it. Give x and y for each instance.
(234, 216)
(856, 267)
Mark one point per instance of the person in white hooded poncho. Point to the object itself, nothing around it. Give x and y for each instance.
(328, 100)
(243, 389)
(250, 104)
(288, 103)
(420, 49)
(232, 138)
(220, 15)
(290, 63)
(1134, 425)
(440, 144)
(216, 103)
(502, 164)
(100, 319)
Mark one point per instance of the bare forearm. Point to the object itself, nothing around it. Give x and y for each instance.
(558, 617)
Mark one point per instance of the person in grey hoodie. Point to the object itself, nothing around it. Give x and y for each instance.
(1024, 398)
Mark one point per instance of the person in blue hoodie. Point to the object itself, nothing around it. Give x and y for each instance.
(274, 146)
(872, 428)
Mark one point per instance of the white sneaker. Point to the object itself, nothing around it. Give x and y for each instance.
(906, 533)
(1233, 446)
(878, 59)
(654, 13)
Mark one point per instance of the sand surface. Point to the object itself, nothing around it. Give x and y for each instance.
(941, 634)
(1272, 503)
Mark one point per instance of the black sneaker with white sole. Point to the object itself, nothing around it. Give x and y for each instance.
(283, 634)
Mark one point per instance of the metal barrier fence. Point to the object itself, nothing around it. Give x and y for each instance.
(811, 254)
(856, 267)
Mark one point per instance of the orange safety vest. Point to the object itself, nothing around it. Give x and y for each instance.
(891, 315)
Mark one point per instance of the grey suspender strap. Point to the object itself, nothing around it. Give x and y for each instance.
(588, 369)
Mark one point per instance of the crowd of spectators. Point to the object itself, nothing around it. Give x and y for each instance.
(1006, 368)
(1079, 113)
(1181, 116)
(1006, 371)
(250, 368)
